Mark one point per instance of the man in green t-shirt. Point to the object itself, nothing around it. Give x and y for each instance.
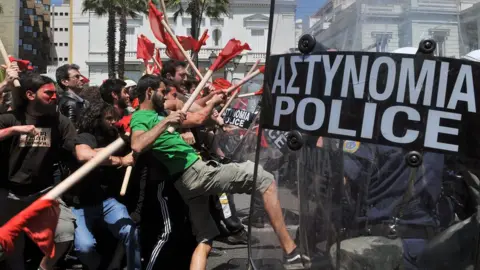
(195, 179)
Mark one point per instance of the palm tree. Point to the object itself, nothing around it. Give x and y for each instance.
(1, 9)
(197, 9)
(101, 8)
(126, 8)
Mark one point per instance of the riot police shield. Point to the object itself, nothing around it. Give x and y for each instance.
(377, 113)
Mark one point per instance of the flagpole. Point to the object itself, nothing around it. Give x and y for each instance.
(236, 93)
(180, 47)
(75, 177)
(4, 53)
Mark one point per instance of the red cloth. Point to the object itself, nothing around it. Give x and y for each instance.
(157, 69)
(155, 17)
(188, 43)
(22, 64)
(135, 103)
(124, 123)
(145, 48)
(233, 48)
(202, 41)
(38, 221)
(221, 84)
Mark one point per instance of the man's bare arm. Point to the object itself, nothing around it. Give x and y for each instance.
(84, 153)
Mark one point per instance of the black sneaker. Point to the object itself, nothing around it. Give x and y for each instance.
(296, 261)
(257, 222)
(239, 238)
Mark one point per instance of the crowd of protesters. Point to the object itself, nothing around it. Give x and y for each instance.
(171, 212)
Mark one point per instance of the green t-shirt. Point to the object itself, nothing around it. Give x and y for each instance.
(169, 148)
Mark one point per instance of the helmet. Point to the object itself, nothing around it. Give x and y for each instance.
(473, 56)
(406, 50)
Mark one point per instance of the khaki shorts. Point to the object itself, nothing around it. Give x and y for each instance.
(208, 178)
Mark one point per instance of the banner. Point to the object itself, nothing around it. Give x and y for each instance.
(238, 117)
(390, 99)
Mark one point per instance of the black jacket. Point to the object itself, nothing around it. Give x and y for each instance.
(71, 105)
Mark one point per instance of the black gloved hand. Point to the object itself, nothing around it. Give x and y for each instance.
(136, 217)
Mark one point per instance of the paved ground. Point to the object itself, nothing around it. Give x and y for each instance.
(235, 257)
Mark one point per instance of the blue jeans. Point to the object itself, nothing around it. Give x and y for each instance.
(118, 221)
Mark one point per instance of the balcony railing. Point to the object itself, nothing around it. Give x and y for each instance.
(203, 55)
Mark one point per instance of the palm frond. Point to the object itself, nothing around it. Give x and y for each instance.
(217, 8)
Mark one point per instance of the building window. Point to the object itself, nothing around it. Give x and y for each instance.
(20, 42)
(66, 58)
(27, 47)
(60, 29)
(441, 49)
(66, 13)
(56, 13)
(35, 17)
(21, 4)
(27, 29)
(216, 22)
(35, 34)
(65, 44)
(56, 44)
(21, 22)
(55, 59)
(34, 51)
(217, 36)
(38, 1)
(30, 11)
(258, 32)
(66, 29)
(46, 7)
(55, 29)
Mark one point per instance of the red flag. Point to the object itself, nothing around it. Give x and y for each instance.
(233, 48)
(38, 221)
(145, 48)
(202, 41)
(221, 84)
(84, 79)
(22, 64)
(188, 43)
(155, 17)
(159, 61)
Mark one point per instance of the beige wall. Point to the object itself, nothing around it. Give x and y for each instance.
(9, 22)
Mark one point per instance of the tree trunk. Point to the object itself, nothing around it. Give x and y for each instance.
(122, 46)
(111, 31)
(195, 26)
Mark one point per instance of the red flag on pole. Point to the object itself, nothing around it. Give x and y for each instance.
(155, 17)
(145, 48)
(233, 48)
(221, 84)
(202, 41)
(22, 64)
(159, 61)
(38, 221)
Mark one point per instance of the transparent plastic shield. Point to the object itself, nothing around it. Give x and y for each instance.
(374, 139)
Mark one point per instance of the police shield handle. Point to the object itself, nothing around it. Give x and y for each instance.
(187, 57)
(194, 95)
(126, 178)
(75, 177)
(230, 100)
(16, 83)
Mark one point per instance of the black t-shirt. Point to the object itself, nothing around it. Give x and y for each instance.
(101, 183)
(28, 161)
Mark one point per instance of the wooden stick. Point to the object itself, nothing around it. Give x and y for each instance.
(230, 100)
(4, 53)
(247, 95)
(155, 60)
(194, 95)
(174, 37)
(126, 179)
(75, 177)
(164, 8)
(244, 80)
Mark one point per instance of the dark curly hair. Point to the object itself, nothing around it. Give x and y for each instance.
(92, 116)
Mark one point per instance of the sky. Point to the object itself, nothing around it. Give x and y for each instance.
(304, 7)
